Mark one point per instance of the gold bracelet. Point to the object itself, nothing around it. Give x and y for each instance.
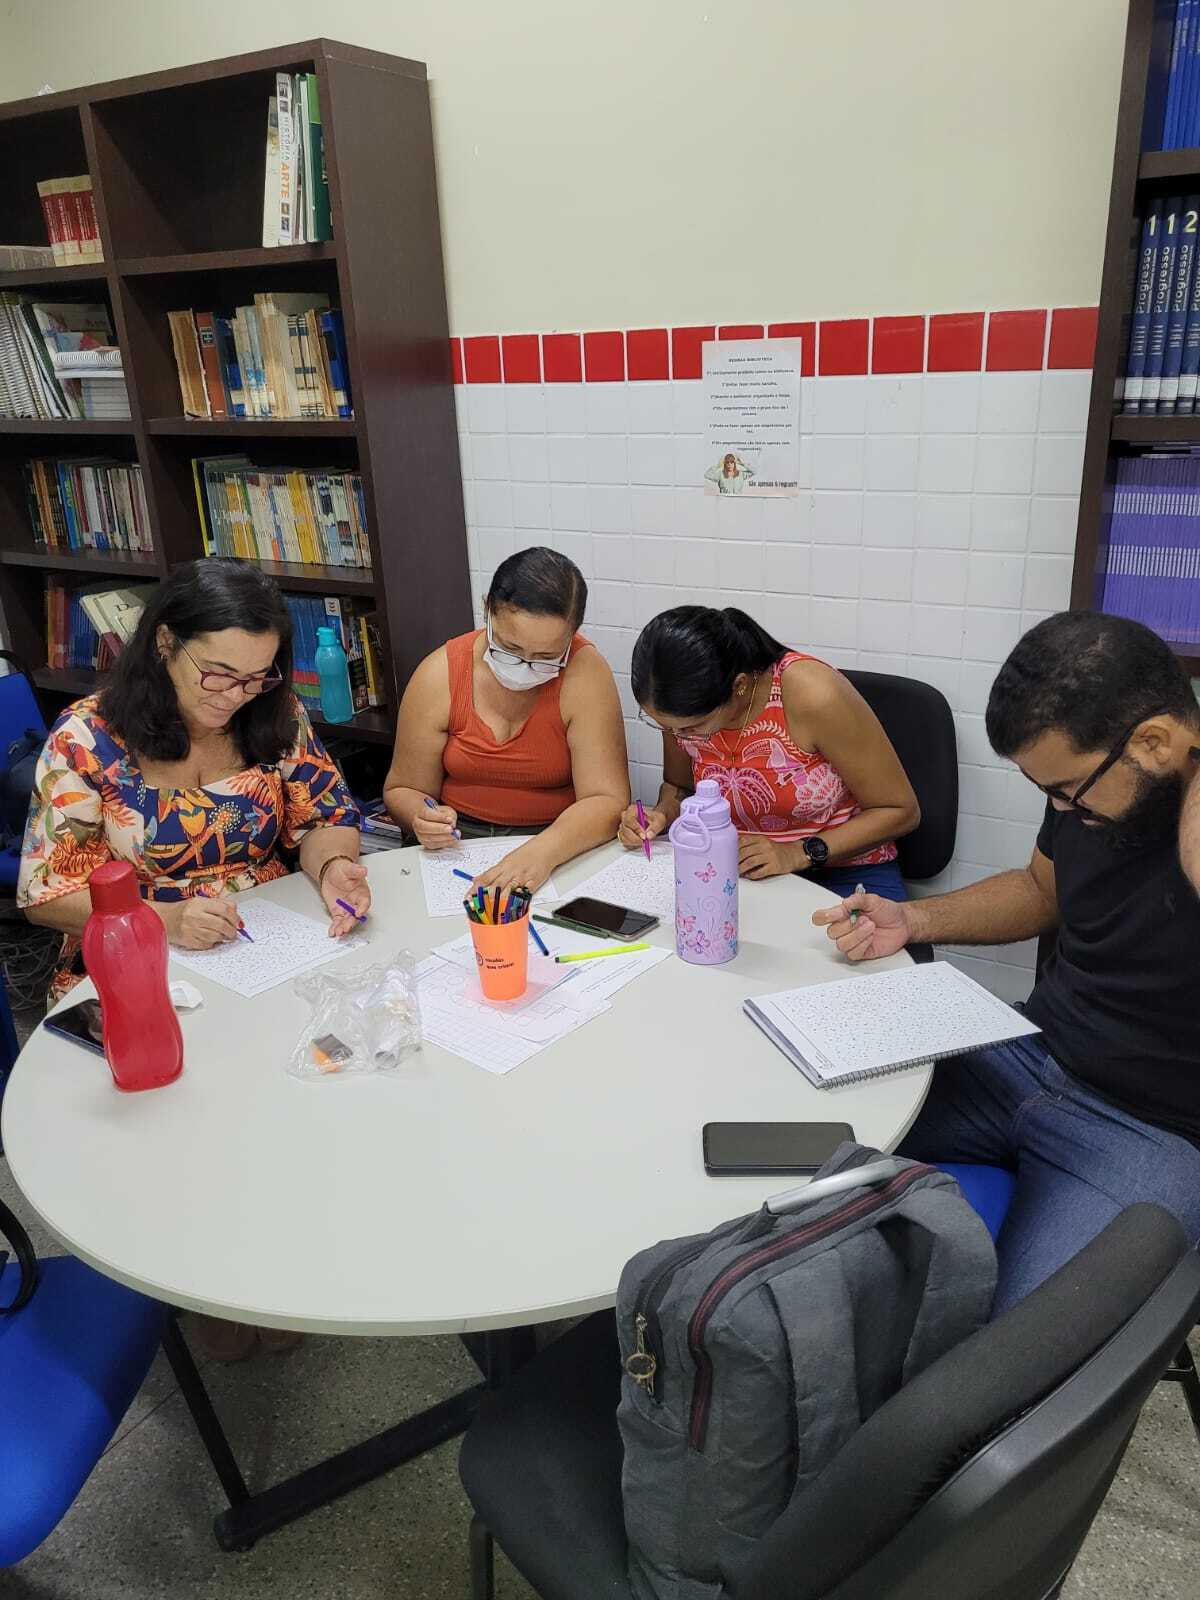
(328, 862)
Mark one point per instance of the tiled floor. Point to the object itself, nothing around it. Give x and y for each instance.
(141, 1529)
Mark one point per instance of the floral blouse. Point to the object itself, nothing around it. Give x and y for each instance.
(91, 804)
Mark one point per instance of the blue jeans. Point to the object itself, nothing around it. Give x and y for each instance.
(1078, 1160)
(882, 878)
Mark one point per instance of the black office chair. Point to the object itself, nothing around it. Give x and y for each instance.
(980, 1477)
(918, 720)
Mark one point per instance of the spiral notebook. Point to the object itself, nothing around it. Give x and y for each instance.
(865, 1027)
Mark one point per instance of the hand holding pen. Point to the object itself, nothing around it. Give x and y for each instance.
(436, 826)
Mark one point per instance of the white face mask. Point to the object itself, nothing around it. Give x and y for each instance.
(516, 674)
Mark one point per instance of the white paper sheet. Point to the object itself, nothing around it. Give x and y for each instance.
(444, 892)
(455, 1015)
(633, 881)
(479, 1033)
(284, 945)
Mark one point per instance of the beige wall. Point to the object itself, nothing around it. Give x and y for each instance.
(636, 162)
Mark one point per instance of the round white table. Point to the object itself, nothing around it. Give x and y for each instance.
(438, 1198)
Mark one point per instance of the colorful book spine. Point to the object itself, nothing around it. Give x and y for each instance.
(1139, 331)
(302, 515)
(334, 338)
(1174, 77)
(286, 214)
(319, 208)
(1177, 310)
(210, 364)
(1153, 557)
(270, 226)
(1189, 371)
(231, 367)
(1164, 278)
(1185, 133)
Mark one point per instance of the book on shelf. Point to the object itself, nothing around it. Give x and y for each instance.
(88, 504)
(115, 614)
(1181, 110)
(86, 628)
(378, 831)
(296, 208)
(308, 515)
(282, 357)
(1152, 567)
(69, 211)
(1164, 278)
(54, 357)
(25, 257)
(1163, 355)
(357, 626)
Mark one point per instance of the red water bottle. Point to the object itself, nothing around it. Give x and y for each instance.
(125, 952)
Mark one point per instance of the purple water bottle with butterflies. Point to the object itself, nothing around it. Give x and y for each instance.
(706, 878)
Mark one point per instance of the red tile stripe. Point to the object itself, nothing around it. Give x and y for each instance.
(1016, 341)
(604, 357)
(964, 341)
(522, 358)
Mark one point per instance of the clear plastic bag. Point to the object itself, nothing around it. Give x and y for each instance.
(364, 1021)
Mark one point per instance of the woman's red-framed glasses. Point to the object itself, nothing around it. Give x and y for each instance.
(226, 682)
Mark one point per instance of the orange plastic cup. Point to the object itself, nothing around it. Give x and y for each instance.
(502, 956)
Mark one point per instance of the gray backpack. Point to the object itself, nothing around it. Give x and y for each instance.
(752, 1353)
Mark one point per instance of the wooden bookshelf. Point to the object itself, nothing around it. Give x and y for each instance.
(176, 160)
(1139, 172)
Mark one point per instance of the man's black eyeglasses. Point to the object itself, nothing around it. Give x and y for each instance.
(1053, 792)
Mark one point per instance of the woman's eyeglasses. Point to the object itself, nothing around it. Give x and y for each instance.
(227, 682)
(510, 658)
(690, 732)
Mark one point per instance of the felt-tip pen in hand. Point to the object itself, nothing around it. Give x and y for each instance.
(859, 888)
(432, 804)
(346, 906)
(242, 934)
(642, 826)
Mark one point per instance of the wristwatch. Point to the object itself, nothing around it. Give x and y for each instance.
(816, 850)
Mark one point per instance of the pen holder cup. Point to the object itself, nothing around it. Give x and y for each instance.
(502, 957)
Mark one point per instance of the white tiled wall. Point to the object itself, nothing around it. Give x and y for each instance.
(938, 524)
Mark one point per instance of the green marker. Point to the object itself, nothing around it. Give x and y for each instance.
(859, 888)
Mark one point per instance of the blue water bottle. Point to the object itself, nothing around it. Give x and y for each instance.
(337, 704)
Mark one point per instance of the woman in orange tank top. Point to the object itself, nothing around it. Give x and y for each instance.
(514, 728)
(812, 781)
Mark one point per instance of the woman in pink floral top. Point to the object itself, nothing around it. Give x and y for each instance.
(196, 764)
(812, 780)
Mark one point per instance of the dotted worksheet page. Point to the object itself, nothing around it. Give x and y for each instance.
(284, 945)
(869, 1024)
(639, 884)
(444, 892)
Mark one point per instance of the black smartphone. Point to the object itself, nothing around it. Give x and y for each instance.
(80, 1023)
(766, 1147)
(598, 916)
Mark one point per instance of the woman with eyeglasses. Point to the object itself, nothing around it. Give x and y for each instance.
(812, 780)
(514, 728)
(195, 763)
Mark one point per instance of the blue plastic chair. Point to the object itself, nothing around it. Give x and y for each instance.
(74, 1350)
(19, 713)
(989, 1190)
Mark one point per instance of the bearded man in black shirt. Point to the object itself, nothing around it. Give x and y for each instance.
(1102, 1108)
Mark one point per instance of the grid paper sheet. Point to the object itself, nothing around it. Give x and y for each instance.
(456, 1018)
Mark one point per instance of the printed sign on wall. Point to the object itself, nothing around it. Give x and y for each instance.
(752, 406)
